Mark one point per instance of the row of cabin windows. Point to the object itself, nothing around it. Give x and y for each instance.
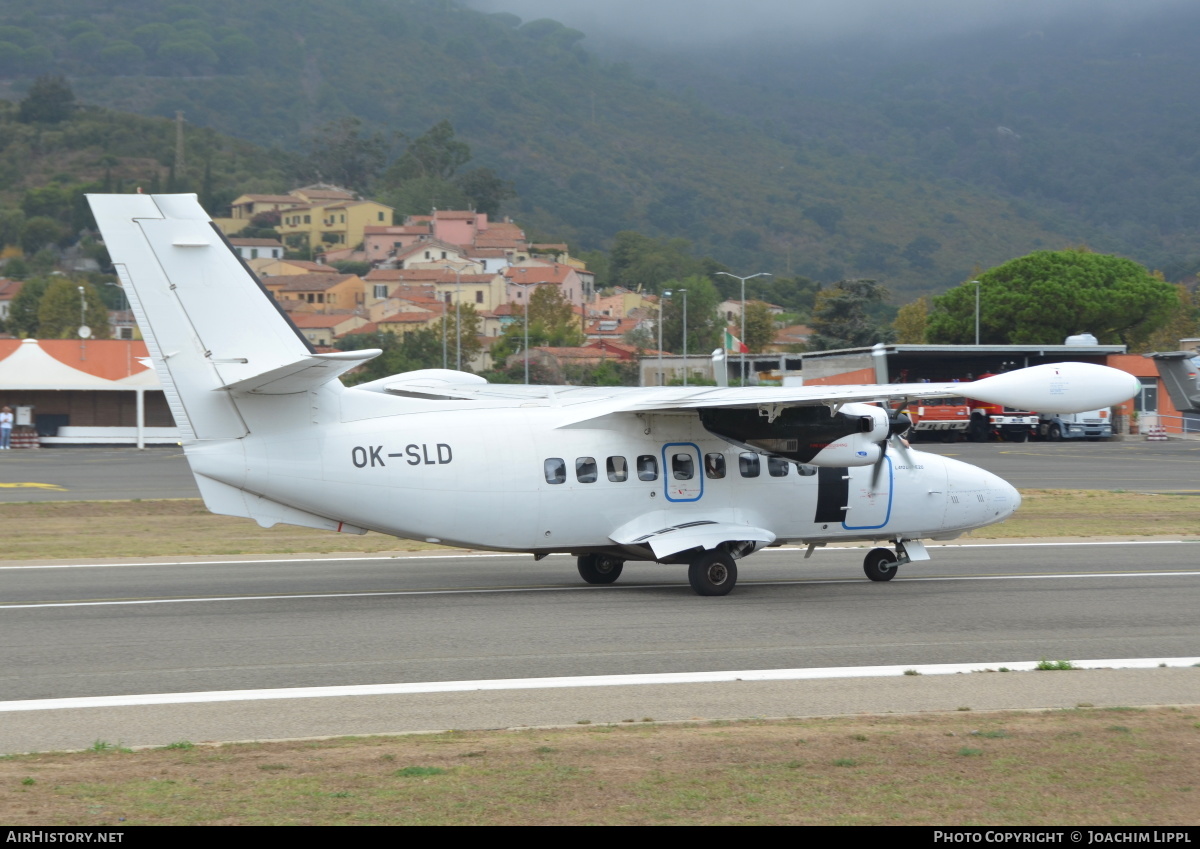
(683, 468)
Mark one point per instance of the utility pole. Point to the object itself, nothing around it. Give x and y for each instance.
(742, 354)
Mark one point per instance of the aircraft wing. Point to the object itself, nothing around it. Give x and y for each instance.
(1065, 387)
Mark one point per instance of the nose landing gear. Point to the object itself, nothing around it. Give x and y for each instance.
(881, 564)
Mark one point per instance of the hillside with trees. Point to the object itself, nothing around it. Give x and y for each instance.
(591, 147)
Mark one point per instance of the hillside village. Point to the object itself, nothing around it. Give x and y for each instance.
(425, 272)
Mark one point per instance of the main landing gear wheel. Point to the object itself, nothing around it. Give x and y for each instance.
(599, 568)
(880, 564)
(712, 573)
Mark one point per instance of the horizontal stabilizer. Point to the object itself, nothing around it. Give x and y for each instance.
(303, 374)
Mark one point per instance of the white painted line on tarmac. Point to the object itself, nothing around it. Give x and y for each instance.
(571, 682)
(850, 546)
(40, 605)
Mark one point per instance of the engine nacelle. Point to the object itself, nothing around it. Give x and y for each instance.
(854, 450)
(851, 437)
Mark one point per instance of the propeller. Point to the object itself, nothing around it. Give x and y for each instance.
(898, 423)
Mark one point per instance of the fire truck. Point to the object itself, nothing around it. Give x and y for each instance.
(952, 419)
(1002, 423)
(939, 419)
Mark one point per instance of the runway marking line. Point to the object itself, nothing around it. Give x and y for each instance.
(569, 682)
(535, 588)
(784, 549)
(32, 485)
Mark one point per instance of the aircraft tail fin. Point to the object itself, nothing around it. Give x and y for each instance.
(1178, 373)
(208, 322)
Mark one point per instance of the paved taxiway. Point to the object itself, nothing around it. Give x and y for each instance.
(161, 628)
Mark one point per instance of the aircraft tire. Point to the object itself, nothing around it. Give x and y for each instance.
(712, 573)
(599, 568)
(880, 564)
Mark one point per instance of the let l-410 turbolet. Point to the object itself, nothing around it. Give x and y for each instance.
(687, 475)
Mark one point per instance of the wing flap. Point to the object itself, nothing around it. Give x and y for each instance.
(706, 534)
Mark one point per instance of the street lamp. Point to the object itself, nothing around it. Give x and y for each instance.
(525, 296)
(662, 378)
(977, 287)
(742, 354)
(457, 320)
(685, 363)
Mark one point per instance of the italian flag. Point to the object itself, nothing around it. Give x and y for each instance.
(735, 345)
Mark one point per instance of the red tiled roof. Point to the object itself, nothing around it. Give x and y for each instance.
(111, 359)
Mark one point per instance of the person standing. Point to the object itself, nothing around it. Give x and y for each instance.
(6, 423)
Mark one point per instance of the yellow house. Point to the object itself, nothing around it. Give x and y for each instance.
(332, 224)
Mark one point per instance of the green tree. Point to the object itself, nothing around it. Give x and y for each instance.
(422, 195)
(486, 190)
(637, 261)
(50, 101)
(40, 231)
(841, 317)
(552, 321)
(343, 153)
(760, 326)
(1184, 322)
(705, 325)
(23, 313)
(469, 338)
(911, 321)
(435, 154)
(416, 350)
(60, 311)
(1048, 295)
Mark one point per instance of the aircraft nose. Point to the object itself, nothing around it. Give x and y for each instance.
(1004, 498)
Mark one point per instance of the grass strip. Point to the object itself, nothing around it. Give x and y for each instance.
(183, 528)
(1073, 767)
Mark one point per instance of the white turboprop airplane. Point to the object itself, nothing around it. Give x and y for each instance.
(700, 476)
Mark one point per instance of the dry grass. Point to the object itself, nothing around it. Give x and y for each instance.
(178, 528)
(1098, 513)
(1094, 767)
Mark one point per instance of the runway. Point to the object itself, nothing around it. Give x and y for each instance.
(303, 623)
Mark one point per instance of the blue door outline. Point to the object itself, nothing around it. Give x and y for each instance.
(668, 479)
(889, 482)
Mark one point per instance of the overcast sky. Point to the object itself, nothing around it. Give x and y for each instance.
(708, 21)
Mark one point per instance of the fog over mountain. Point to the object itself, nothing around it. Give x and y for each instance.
(681, 23)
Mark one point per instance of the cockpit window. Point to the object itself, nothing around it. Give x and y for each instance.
(682, 467)
(777, 467)
(647, 466)
(618, 469)
(556, 470)
(585, 469)
(714, 465)
(748, 465)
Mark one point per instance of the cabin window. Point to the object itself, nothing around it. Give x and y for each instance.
(585, 469)
(748, 465)
(682, 467)
(714, 465)
(806, 471)
(556, 470)
(777, 467)
(647, 466)
(618, 469)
